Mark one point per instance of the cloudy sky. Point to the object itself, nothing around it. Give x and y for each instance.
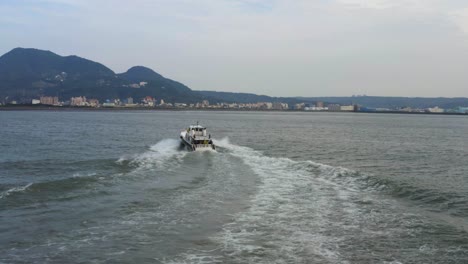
(273, 47)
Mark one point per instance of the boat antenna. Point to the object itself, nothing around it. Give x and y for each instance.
(197, 122)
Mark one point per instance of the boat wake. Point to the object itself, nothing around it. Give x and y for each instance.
(277, 225)
(166, 154)
(305, 210)
(14, 190)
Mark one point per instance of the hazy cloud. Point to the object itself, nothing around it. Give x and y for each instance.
(460, 18)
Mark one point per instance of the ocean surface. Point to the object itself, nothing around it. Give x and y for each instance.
(115, 187)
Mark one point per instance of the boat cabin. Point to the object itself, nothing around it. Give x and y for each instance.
(197, 131)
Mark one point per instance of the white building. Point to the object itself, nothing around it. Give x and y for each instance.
(299, 106)
(348, 108)
(315, 108)
(435, 110)
(108, 104)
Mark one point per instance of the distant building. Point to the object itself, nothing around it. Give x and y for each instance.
(406, 109)
(263, 105)
(147, 101)
(93, 102)
(277, 106)
(319, 104)
(78, 101)
(49, 100)
(181, 105)
(368, 109)
(462, 110)
(334, 107)
(130, 100)
(348, 108)
(435, 110)
(315, 108)
(300, 106)
(108, 104)
(142, 84)
(117, 102)
(35, 101)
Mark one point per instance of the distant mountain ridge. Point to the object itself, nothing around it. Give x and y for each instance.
(247, 97)
(368, 101)
(29, 73)
(393, 102)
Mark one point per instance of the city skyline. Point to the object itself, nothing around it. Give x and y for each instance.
(149, 102)
(277, 48)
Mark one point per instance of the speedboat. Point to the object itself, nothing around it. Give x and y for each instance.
(195, 138)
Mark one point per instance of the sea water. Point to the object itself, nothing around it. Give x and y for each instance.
(117, 187)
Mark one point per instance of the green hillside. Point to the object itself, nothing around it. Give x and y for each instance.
(30, 73)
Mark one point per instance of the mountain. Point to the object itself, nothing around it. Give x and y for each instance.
(33, 63)
(248, 97)
(29, 73)
(368, 101)
(137, 73)
(32, 72)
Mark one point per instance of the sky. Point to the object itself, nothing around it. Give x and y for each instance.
(273, 47)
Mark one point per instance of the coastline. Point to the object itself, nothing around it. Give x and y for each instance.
(92, 109)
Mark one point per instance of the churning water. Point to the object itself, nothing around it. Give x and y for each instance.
(115, 187)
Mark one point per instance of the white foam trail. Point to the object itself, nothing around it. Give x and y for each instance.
(277, 227)
(293, 215)
(224, 142)
(14, 190)
(80, 175)
(195, 259)
(304, 212)
(158, 155)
